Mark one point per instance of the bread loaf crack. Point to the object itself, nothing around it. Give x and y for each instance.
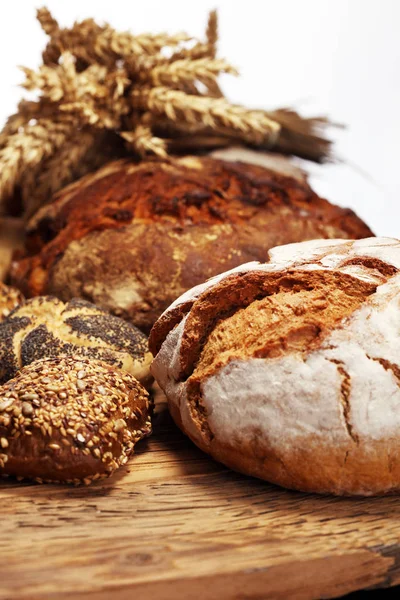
(387, 365)
(345, 389)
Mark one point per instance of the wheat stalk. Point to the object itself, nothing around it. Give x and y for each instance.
(58, 171)
(212, 33)
(91, 42)
(153, 93)
(143, 142)
(48, 23)
(181, 71)
(27, 149)
(213, 113)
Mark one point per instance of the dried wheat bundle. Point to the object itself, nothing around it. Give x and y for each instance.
(102, 93)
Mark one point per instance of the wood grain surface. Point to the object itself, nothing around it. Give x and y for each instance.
(175, 525)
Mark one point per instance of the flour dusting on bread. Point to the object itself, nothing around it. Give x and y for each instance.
(289, 370)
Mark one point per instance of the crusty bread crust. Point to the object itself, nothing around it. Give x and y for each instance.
(289, 370)
(133, 237)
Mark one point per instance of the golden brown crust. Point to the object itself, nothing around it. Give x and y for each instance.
(221, 302)
(292, 313)
(70, 420)
(159, 228)
(345, 471)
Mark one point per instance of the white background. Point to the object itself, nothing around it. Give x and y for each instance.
(334, 57)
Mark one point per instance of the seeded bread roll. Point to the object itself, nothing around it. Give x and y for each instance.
(133, 237)
(47, 327)
(70, 420)
(290, 370)
(10, 298)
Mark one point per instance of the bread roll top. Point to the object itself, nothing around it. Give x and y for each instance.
(47, 327)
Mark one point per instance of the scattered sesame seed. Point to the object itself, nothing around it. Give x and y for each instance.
(5, 403)
(52, 388)
(119, 425)
(80, 438)
(29, 396)
(4, 442)
(27, 409)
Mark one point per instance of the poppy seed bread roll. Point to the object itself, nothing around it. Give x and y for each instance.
(70, 420)
(47, 327)
(290, 370)
(133, 237)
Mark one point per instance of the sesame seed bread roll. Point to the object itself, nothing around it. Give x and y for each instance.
(290, 370)
(70, 420)
(10, 298)
(47, 327)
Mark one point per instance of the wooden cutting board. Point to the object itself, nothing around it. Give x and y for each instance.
(176, 525)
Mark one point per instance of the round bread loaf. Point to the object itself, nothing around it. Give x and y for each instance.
(70, 420)
(133, 237)
(290, 370)
(47, 327)
(10, 298)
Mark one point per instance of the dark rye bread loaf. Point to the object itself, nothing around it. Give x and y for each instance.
(47, 327)
(70, 420)
(132, 237)
(289, 370)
